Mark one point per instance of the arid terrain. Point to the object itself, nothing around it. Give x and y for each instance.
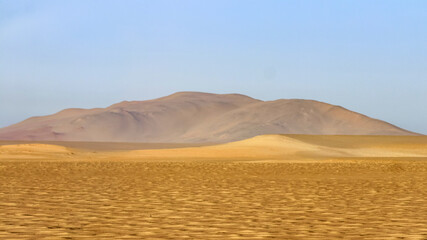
(266, 187)
(196, 117)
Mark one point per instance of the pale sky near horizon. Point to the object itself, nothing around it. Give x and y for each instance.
(369, 56)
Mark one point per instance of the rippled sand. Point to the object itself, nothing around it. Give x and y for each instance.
(267, 187)
(353, 199)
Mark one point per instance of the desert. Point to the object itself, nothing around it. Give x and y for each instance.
(266, 187)
(213, 119)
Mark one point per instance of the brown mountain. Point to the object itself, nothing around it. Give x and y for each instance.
(197, 117)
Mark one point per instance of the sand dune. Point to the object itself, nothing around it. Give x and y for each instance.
(260, 147)
(33, 148)
(264, 147)
(197, 117)
(295, 147)
(33, 151)
(107, 146)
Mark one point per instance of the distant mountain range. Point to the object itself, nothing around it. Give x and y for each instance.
(198, 117)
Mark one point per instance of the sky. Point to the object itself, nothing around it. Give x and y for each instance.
(369, 56)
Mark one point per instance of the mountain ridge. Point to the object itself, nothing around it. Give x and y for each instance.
(198, 117)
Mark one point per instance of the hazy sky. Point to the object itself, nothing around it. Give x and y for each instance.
(368, 56)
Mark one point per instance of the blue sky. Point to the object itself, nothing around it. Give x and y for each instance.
(369, 56)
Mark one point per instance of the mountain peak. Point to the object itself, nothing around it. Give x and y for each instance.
(189, 94)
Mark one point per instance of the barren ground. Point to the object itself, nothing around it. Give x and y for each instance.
(46, 197)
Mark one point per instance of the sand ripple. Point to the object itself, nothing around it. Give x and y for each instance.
(129, 200)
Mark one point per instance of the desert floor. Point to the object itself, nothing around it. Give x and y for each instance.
(329, 187)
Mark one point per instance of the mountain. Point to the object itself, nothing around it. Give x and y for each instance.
(197, 117)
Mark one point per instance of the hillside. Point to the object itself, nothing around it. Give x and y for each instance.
(197, 117)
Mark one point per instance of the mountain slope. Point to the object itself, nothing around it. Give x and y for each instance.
(197, 117)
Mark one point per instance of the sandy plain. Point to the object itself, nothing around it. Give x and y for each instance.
(267, 187)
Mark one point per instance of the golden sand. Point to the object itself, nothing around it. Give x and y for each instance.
(269, 187)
